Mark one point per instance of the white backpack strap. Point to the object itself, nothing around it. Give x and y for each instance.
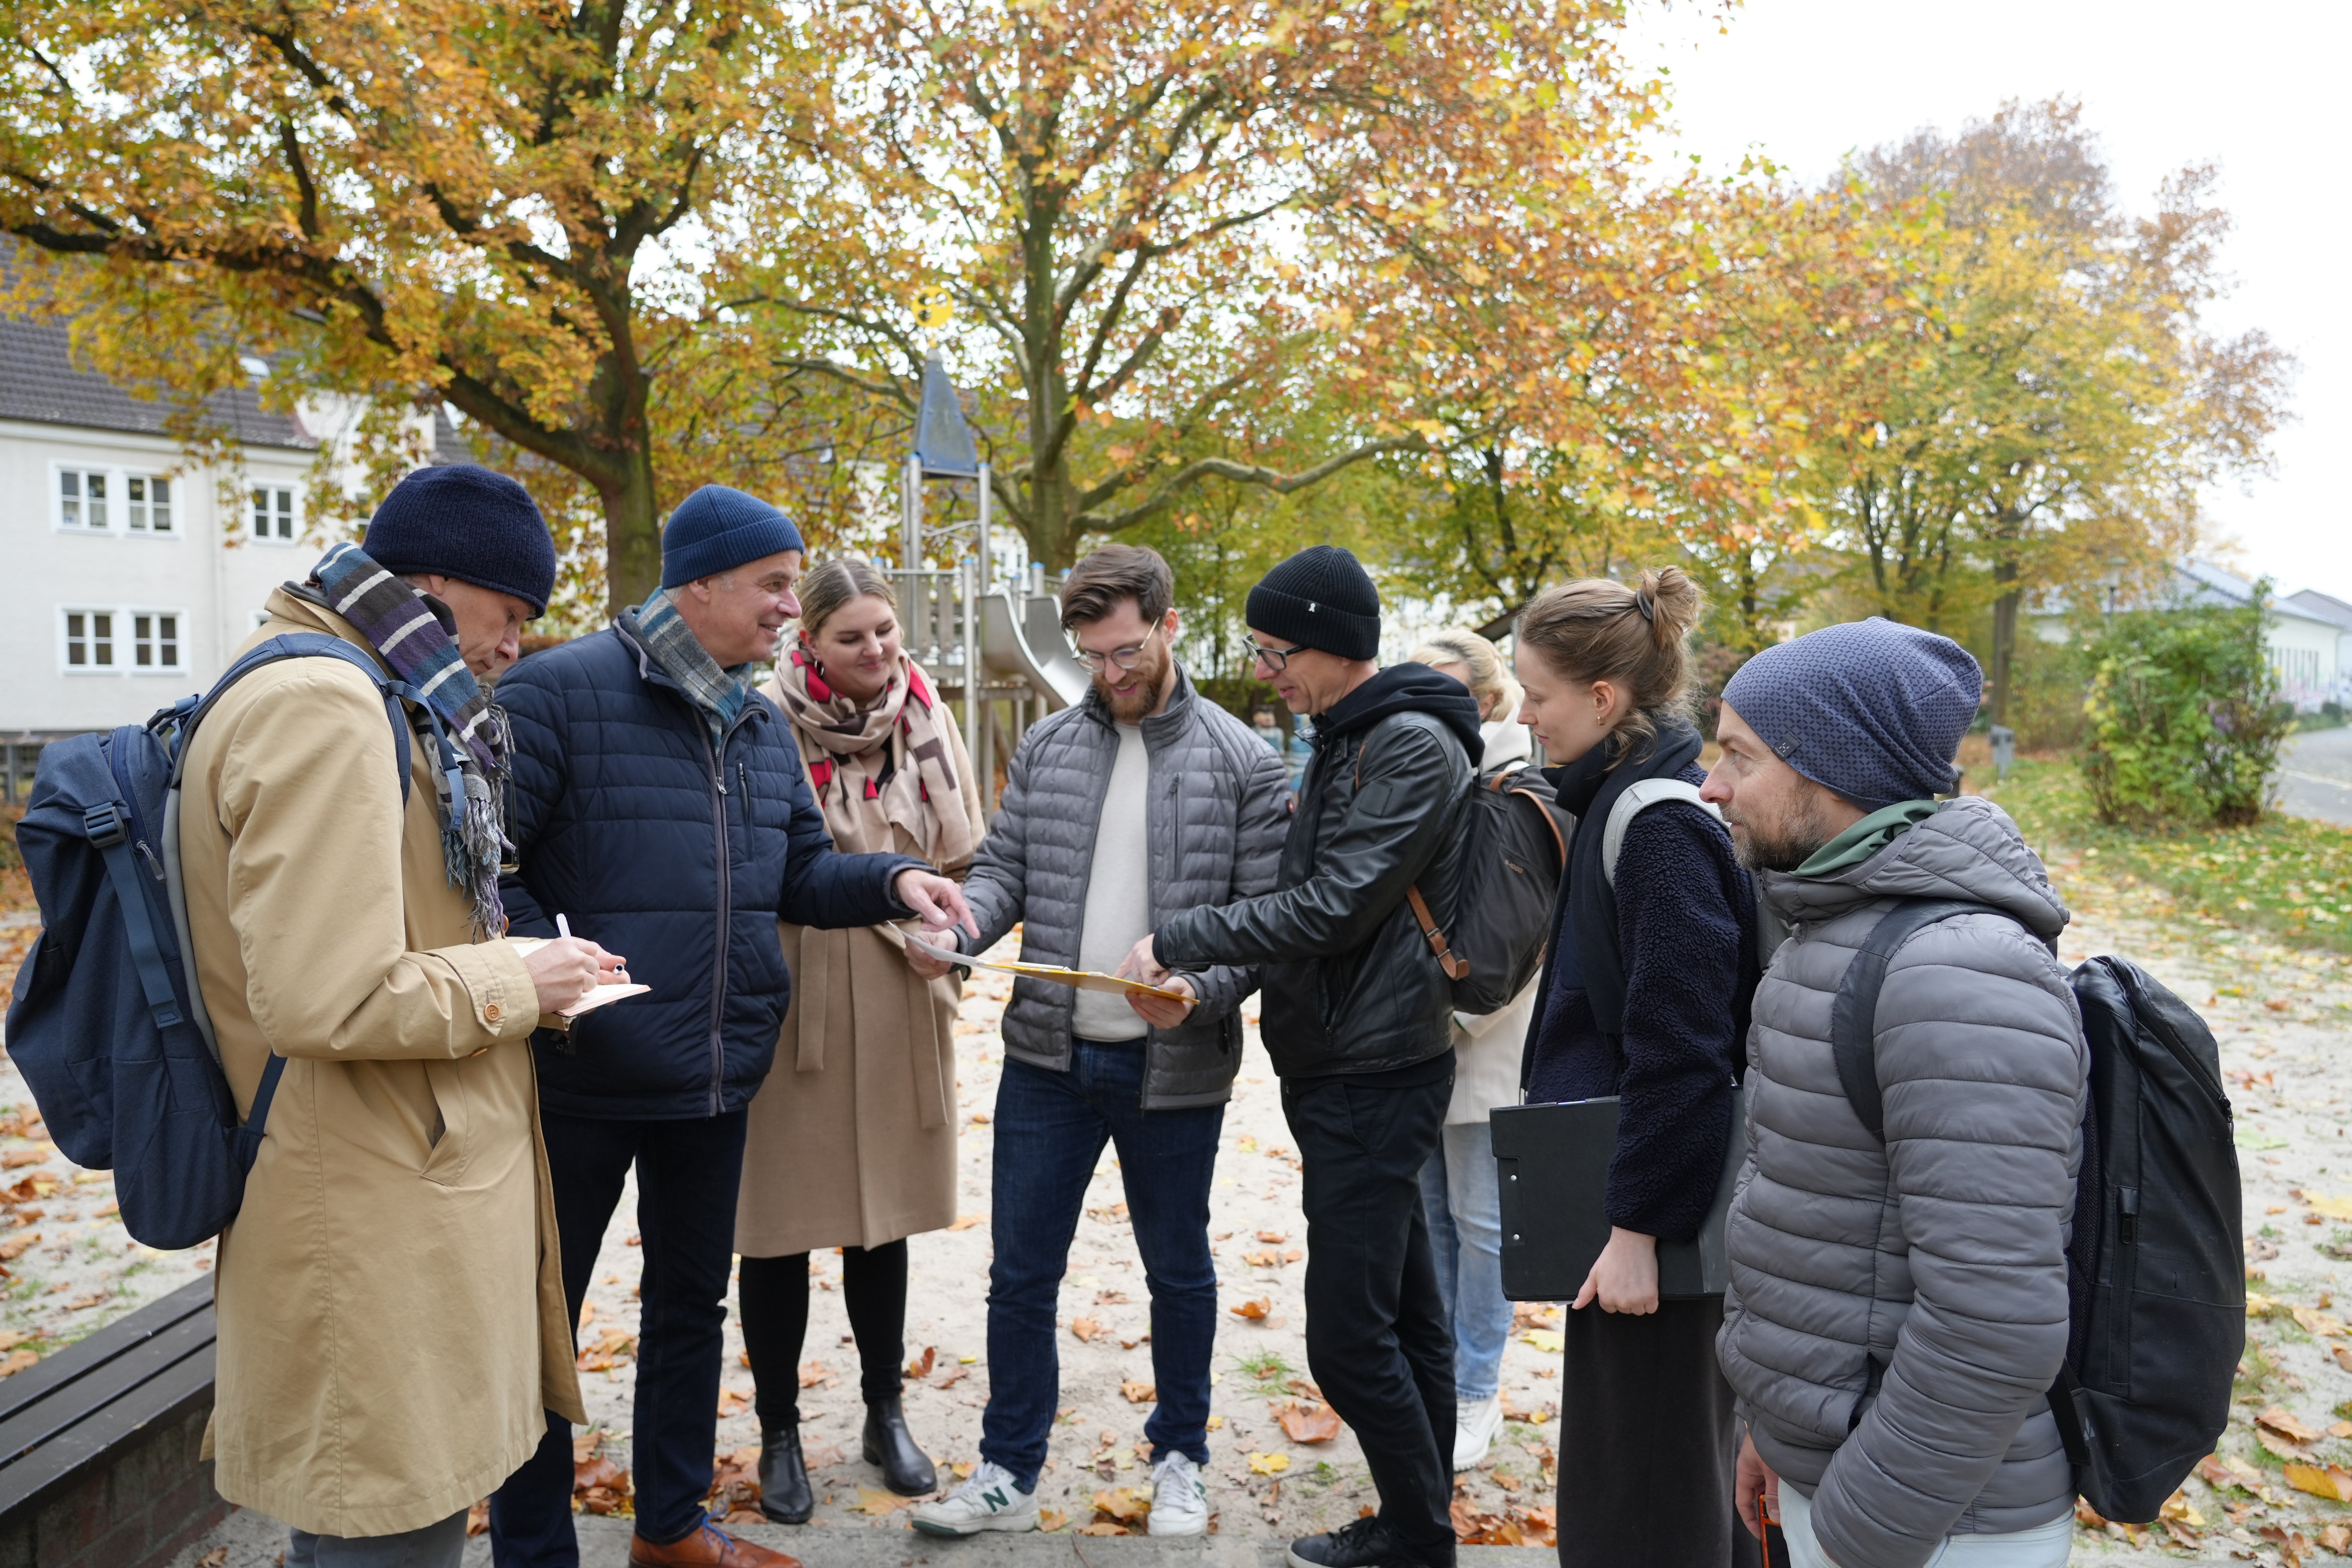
(1638, 798)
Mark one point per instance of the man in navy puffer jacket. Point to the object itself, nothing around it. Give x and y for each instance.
(658, 800)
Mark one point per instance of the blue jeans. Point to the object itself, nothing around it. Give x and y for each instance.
(1465, 1205)
(1051, 1128)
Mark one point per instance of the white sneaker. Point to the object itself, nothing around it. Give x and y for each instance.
(1475, 1425)
(1179, 1502)
(987, 1500)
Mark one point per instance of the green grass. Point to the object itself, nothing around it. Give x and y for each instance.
(1266, 1366)
(2283, 874)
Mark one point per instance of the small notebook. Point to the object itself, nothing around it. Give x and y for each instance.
(1552, 1165)
(602, 996)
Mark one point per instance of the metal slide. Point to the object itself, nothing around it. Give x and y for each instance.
(1021, 636)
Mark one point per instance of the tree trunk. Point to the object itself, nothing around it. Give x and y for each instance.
(2004, 642)
(632, 533)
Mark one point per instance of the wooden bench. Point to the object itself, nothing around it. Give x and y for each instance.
(99, 1443)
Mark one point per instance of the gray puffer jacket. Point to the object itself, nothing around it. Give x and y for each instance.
(1217, 811)
(1897, 1312)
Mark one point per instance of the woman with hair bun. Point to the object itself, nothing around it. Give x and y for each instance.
(1459, 1192)
(852, 1138)
(1643, 996)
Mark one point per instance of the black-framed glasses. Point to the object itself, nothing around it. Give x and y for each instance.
(1274, 658)
(1124, 658)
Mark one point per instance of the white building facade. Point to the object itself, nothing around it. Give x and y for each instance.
(131, 576)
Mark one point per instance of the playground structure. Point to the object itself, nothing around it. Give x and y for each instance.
(990, 639)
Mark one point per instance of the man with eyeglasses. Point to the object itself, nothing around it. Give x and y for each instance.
(1142, 800)
(1357, 1022)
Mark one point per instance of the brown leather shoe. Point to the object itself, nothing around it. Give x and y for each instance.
(708, 1547)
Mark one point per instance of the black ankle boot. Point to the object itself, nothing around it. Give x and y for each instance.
(906, 1469)
(784, 1494)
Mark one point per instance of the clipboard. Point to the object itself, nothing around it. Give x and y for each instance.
(1552, 1167)
(1051, 974)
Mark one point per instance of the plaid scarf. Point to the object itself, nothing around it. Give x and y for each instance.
(670, 643)
(878, 768)
(409, 631)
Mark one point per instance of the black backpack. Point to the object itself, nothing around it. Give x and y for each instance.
(2156, 1265)
(107, 1024)
(1513, 851)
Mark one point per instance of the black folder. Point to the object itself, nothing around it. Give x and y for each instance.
(1552, 1163)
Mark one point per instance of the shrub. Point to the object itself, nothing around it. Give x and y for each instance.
(2182, 719)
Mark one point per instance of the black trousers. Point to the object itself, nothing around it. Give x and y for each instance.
(688, 1173)
(1378, 1341)
(1647, 1442)
(772, 1300)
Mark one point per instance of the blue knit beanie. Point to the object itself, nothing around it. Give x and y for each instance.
(1870, 710)
(462, 521)
(717, 529)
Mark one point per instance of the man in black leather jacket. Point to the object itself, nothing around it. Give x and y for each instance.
(1356, 1021)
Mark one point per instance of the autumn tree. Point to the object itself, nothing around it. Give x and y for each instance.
(2070, 404)
(1150, 218)
(512, 206)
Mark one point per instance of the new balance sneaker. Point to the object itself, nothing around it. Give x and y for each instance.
(1475, 1425)
(1179, 1502)
(988, 1500)
(1366, 1544)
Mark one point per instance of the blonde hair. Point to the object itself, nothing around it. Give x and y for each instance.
(829, 585)
(1637, 638)
(1489, 675)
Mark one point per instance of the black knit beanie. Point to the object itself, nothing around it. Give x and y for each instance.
(462, 521)
(1319, 598)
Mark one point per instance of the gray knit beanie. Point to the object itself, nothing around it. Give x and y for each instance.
(1870, 710)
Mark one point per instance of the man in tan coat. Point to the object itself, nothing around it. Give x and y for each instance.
(392, 1317)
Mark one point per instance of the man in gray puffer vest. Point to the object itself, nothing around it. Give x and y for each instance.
(1142, 800)
(1897, 1311)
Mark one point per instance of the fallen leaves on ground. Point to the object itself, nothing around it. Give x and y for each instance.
(878, 1503)
(1514, 1526)
(1266, 1260)
(1272, 1238)
(15, 1246)
(1254, 1312)
(614, 1347)
(1110, 1297)
(17, 1362)
(1116, 1214)
(1084, 1329)
(921, 1366)
(1137, 1392)
(217, 1556)
(732, 1403)
(966, 1221)
(1268, 1464)
(734, 1497)
(598, 1485)
(15, 1158)
(810, 1375)
(952, 1376)
(2334, 1483)
(1547, 1340)
(1306, 1423)
(1127, 1505)
(2318, 1323)
(1050, 1519)
(2279, 1422)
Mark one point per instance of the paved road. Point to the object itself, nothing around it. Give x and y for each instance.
(2315, 776)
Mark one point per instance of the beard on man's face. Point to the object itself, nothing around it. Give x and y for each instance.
(1150, 682)
(1785, 845)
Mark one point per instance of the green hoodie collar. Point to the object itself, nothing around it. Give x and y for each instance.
(1867, 838)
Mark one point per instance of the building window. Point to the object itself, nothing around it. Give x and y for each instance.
(273, 512)
(147, 504)
(81, 499)
(154, 639)
(89, 639)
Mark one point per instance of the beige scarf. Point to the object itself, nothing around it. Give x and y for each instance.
(878, 768)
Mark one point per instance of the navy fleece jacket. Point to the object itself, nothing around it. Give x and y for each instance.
(1686, 925)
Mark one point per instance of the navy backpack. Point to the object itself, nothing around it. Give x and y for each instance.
(106, 1025)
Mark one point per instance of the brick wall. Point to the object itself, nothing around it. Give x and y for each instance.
(154, 1497)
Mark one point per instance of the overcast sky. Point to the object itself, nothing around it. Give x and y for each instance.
(2163, 84)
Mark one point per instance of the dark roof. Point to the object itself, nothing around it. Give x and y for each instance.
(448, 445)
(39, 383)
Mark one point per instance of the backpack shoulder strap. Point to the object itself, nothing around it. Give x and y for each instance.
(307, 644)
(1854, 1014)
(1639, 797)
(1508, 781)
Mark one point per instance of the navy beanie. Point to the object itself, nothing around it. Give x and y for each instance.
(717, 529)
(1319, 598)
(1870, 710)
(462, 521)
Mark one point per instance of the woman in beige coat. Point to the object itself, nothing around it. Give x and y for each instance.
(852, 1140)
